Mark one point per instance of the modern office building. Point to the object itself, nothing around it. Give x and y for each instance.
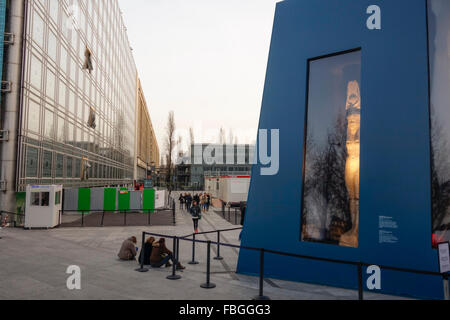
(219, 160)
(359, 91)
(70, 112)
(147, 145)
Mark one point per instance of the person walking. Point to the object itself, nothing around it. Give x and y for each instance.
(208, 201)
(188, 199)
(182, 200)
(196, 214)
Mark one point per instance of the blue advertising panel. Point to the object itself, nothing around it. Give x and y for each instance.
(367, 66)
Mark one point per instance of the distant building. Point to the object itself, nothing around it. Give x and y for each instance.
(147, 155)
(215, 160)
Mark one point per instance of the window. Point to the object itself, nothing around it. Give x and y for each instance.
(32, 162)
(36, 72)
(47, 164)
(58, 198)
(35, 198)
(34, 112)
(439, 37)
(69, 167)
(59, 165)
(45, 199)
(330, 206)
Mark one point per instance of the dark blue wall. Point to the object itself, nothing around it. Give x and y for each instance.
(395, 144)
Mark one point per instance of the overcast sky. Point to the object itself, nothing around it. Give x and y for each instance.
(204, 59)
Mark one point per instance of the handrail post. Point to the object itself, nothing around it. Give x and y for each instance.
(174, 276)
(360, 282)
(178, 250)
(193, 251)
(142, 269)
(261, 295)
(103, 217)
(218, 247)
(208, 284)
(173, 213)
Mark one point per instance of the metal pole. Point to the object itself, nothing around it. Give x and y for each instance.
(82, 219)
(235, 216)
(149, 219)
(208, 284)
(218, 247)
(193, 251)
(142, 269)
(125, 219)
(360, 282)
(178, 250)
(174, 276)
(173, 213)
(261, 295)
(446, 289)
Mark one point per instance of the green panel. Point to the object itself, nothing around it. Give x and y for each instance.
(84, 200)
(124, 200)
(148, 201)
(109, 202)
(20, 202)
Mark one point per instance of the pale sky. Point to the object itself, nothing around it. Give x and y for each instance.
(204, 59)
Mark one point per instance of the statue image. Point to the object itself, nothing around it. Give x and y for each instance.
(353, 109)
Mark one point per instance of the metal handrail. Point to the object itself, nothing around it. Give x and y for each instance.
(263, 251)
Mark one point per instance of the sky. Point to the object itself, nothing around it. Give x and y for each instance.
(205, 60)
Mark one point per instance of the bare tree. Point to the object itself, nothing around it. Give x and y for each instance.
(222, 139)
(230, 137)
(170, 143)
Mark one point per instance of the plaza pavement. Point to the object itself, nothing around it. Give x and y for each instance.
(34, 263)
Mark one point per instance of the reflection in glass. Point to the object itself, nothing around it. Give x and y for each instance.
(439, 37)
(331, 178)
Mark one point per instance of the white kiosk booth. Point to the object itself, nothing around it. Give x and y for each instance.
(43, 206)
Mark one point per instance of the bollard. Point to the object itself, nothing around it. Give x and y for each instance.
(218, 247)
(193, 251)
(208, 284)
(261, 295)
(174, 276)
(142, 269)
(360, 282)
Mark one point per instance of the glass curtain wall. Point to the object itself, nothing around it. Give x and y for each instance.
(79, 97)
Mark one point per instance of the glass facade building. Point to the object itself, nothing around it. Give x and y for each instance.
(78, 109)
